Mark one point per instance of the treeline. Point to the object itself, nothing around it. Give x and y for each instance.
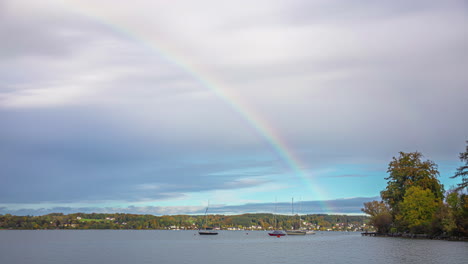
(135, 221)
(415, 202)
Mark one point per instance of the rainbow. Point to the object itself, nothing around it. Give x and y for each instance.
(252, 118)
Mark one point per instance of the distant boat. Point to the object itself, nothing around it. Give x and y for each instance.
(276, 233)
(206, 230)
(295, 232)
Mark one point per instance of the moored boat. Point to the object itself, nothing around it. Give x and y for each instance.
(277, 233)
(207, 230)
(295, 232)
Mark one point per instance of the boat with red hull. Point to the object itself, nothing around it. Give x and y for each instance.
(277, 233)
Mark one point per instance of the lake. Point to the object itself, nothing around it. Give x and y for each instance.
(150, 246)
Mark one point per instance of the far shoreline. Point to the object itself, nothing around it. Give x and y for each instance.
(415, 236)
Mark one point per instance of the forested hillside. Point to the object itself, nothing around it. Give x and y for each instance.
(134, 221)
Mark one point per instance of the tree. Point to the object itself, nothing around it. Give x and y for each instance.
(406, 171)
(417, 209)
(380, 216)
(462, 171)
(457, 203)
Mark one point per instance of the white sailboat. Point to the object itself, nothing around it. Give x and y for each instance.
(206, 230)
(308, 232)
(295, 232)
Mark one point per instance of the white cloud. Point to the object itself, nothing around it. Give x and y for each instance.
(95, 82)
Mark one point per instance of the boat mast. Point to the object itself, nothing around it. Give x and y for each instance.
(274, 217)
(292, 211)
(206, 211)
(292, 206)
(300, 211)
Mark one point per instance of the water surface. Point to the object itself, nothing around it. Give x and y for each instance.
(132, 246)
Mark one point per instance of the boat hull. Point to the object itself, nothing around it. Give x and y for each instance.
(207, 233)
(277, 234)
(295, 233)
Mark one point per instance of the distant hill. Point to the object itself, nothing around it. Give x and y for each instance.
(259, 221)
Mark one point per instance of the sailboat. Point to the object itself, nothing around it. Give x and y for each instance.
(276, 232)
(206, 231)
(295, 232)
(308, 232)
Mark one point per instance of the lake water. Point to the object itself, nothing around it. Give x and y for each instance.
(132, 246)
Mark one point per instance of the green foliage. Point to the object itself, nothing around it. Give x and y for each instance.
(406, 171)
(134, 221)
(414, 199)
(462, 171)
(457, 204)
(417, 209)
(380, 216)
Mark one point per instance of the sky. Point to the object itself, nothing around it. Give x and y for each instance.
(166, 107)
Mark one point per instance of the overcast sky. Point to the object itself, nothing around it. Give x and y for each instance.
(158, 107)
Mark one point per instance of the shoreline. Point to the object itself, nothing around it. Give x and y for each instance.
(415, 236)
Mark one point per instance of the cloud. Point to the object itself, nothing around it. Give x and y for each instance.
(105, 101)
(350, 176)
(77, 155)
(343, 206)
(340, 206)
